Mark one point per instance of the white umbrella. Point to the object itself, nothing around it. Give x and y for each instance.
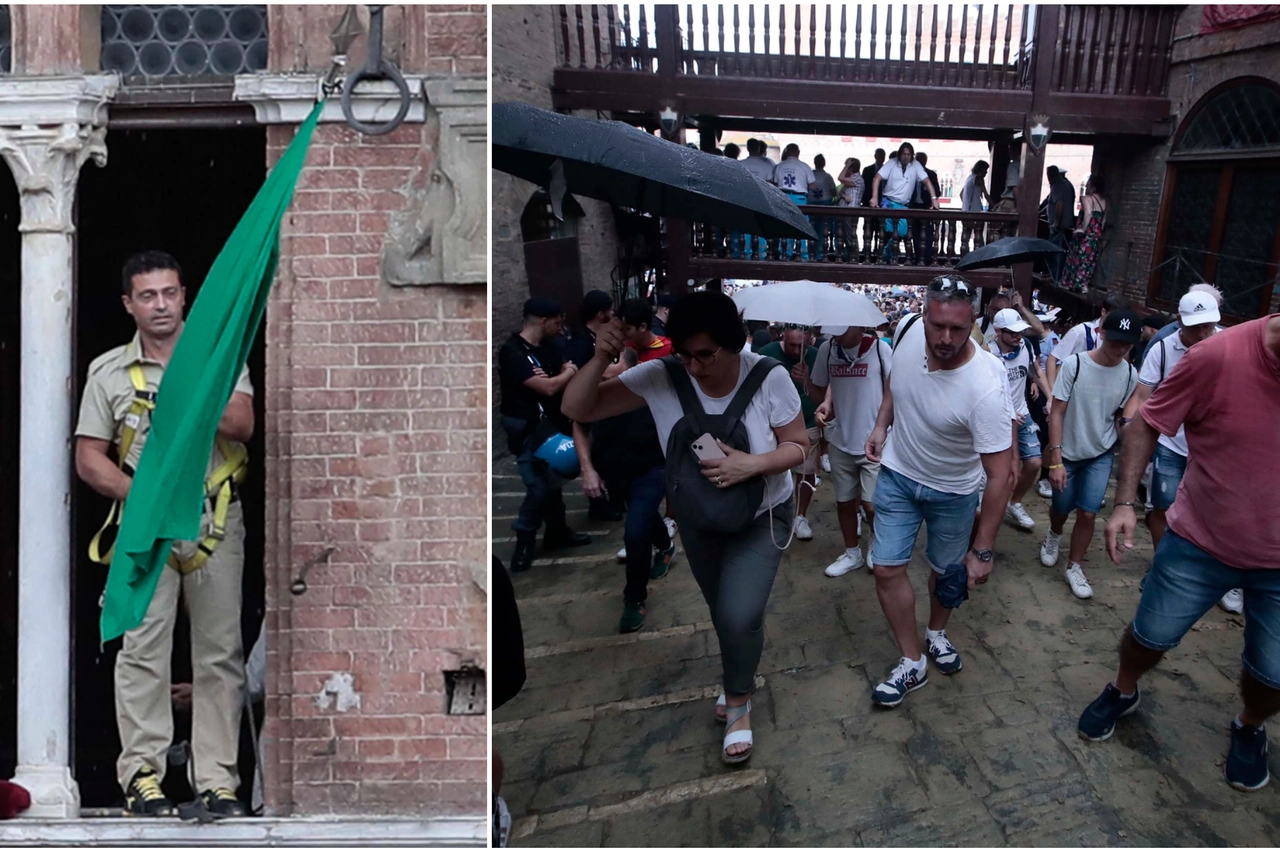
(808, 303)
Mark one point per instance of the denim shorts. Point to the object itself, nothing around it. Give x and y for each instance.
(902, 504)
(1028, 441)
(1167, 470)
(1086, 485)
(1185, 582)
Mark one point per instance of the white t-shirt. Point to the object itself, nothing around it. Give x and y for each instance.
(970, 198)
(1158, 363)
(761, 167)
(1016, 369)
(793, 176)
(775, 405)
(1075, 341)
(943, 419)
(899, 185)
(856, 391)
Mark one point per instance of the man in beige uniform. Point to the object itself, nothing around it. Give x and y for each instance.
(155, 297)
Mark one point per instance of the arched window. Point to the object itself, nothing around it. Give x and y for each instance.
(155, 42)
(1220, 215)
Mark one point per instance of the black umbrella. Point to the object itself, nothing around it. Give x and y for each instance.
(625, 166)
(1010, 250)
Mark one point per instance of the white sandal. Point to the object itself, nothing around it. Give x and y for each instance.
(732, 715)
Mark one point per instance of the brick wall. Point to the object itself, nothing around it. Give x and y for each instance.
(376, 446)
(1136, 169)
(524, 58)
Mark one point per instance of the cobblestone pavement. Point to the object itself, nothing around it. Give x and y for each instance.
(612, 740)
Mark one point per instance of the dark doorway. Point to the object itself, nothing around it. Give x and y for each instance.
(10, 310)
(180, 191)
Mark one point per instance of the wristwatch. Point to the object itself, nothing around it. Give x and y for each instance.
(984, 555)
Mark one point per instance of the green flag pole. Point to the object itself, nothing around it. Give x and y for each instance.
(167, 497)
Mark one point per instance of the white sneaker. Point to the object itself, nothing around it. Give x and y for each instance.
(844, 564)
(1233, 601)
(622, 554)
(826, 462)
(817, 481)
(802, 529)
(1019, 516)
(1044, 489)
(871, 560)
(1079, 583)
(671, 528)
(1049, 549)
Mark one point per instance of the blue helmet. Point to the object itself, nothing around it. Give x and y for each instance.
(559, 453)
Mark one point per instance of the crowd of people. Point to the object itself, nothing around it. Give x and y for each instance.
(731, 426)
(905, 181)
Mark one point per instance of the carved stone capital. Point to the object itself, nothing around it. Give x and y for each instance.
(443, 236)
(49, 128)
(289, 99)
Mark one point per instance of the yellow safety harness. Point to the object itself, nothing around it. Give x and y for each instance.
(219, 487)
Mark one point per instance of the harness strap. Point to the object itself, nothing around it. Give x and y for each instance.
(144, 402)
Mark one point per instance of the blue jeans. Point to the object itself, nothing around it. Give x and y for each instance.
(1168, 468)
(893, 230)
(1185, 582)
(1086, 485)
(543, 497)
(902, 505)
(644, 529)
(789, 251)
(1028, 441)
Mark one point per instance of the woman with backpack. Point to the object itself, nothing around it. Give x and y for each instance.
(731, 492)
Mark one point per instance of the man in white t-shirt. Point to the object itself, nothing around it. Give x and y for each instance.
(848, 379)
(893, 188)
(794, 177)
(1082, 337)
(1198, 318)
(1015, 356)
(951, 423)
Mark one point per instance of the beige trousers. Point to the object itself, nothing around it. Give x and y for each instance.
(144, 709)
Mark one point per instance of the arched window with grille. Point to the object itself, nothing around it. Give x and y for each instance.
(1220, 214)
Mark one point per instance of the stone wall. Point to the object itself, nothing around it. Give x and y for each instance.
(1135, 169)
(525, 54)
(376, 448)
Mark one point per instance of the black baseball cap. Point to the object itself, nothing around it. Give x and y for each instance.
(1124, 325)
(541, 306)
(593, 303)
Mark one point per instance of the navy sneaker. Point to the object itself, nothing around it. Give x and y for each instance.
(945, 657)
(662, 561)
(1246, 768)
(1099, 720)
(904, 678)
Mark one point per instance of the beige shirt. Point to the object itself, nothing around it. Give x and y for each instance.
(108, 394)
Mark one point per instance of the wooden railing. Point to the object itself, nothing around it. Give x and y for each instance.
(1104, 50)
(852, 237)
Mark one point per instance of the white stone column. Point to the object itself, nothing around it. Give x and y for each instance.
(49, 127)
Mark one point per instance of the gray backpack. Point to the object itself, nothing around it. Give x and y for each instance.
(697, 502)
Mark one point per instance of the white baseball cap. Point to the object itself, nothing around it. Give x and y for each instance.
(834, 331)
(1009, 318)
(1198, 308)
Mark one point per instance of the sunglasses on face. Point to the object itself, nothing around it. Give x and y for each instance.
(703, 357)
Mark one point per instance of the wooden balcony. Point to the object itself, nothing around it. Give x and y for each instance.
(967, 71)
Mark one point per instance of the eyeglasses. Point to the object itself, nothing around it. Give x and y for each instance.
(703, 357)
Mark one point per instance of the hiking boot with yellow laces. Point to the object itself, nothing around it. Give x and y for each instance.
(222, 802)
(144, 798)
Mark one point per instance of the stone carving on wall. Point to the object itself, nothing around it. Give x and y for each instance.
(442, 236)
(46, 162)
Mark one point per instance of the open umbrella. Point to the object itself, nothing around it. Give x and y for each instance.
(1010, 250)
(808, 303)
(623, 165)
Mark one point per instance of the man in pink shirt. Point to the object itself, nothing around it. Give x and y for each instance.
(1224, 531)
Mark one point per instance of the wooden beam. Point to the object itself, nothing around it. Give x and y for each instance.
(887, 274)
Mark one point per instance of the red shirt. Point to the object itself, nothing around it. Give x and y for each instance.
(657, 348)
(1226, 391)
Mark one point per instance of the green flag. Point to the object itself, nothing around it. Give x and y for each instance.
(167, 496)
